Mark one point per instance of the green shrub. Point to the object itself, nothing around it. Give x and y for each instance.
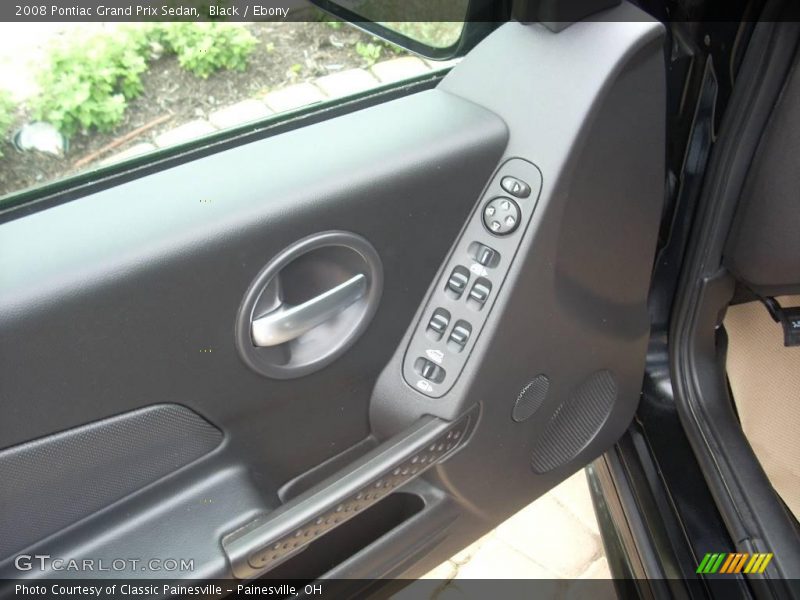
(7, 109)
(370, 52)
(203, 48)
(88, 81)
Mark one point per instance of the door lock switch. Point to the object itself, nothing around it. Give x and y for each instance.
(457, 282)
(429, 370)
(459, 336)
(515, 187)
(438, 324)
(484, 255)
(479, 293)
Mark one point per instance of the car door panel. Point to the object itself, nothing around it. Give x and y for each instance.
(140, 300)
(128, 297)
(114, 311)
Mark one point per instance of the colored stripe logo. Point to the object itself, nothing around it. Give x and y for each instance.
(734, 562)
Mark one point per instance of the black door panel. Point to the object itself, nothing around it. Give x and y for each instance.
(129, 297)
(111, 288)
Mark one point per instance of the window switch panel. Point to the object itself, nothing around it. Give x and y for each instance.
(471, 281)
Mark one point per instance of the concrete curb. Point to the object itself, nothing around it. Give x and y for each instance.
(293, 97)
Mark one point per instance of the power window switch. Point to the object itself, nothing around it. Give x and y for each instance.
(457, 282)
(459, 336)
(438, 324)
(429, 370)
(479, 293)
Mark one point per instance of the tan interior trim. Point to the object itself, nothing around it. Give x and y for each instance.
(765, 379)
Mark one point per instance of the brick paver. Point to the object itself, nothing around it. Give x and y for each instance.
(498, 560)
(239, 114)
(397, 69)
(554, 537)
(294, 96)
(135, 150)
(346, 83)
(337, 85)
(185, 133)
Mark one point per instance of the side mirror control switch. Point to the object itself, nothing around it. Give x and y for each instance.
(501, 216)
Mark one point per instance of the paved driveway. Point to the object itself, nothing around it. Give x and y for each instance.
(555, 537)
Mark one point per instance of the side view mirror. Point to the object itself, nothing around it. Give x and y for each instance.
(435, 29)
(445, 29)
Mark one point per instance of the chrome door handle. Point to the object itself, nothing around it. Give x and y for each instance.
(286, 323)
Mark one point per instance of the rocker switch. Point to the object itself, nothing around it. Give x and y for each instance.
(458, 281)
(429, 370)
(479, 293)
(438, 323)
(515, 187)
(459, 336)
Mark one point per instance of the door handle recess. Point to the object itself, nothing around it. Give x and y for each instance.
(309, 304)
(287, 322)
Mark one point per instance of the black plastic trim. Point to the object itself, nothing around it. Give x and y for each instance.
(270, 540)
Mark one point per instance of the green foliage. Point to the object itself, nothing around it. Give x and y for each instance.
(88, 81)
(203, 48)
(370, 52)
(331, 21)
(7, 109)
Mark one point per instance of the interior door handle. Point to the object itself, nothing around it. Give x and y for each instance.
(286, 323)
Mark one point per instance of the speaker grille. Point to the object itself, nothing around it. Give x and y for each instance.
(530, 398)
(575, 422)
